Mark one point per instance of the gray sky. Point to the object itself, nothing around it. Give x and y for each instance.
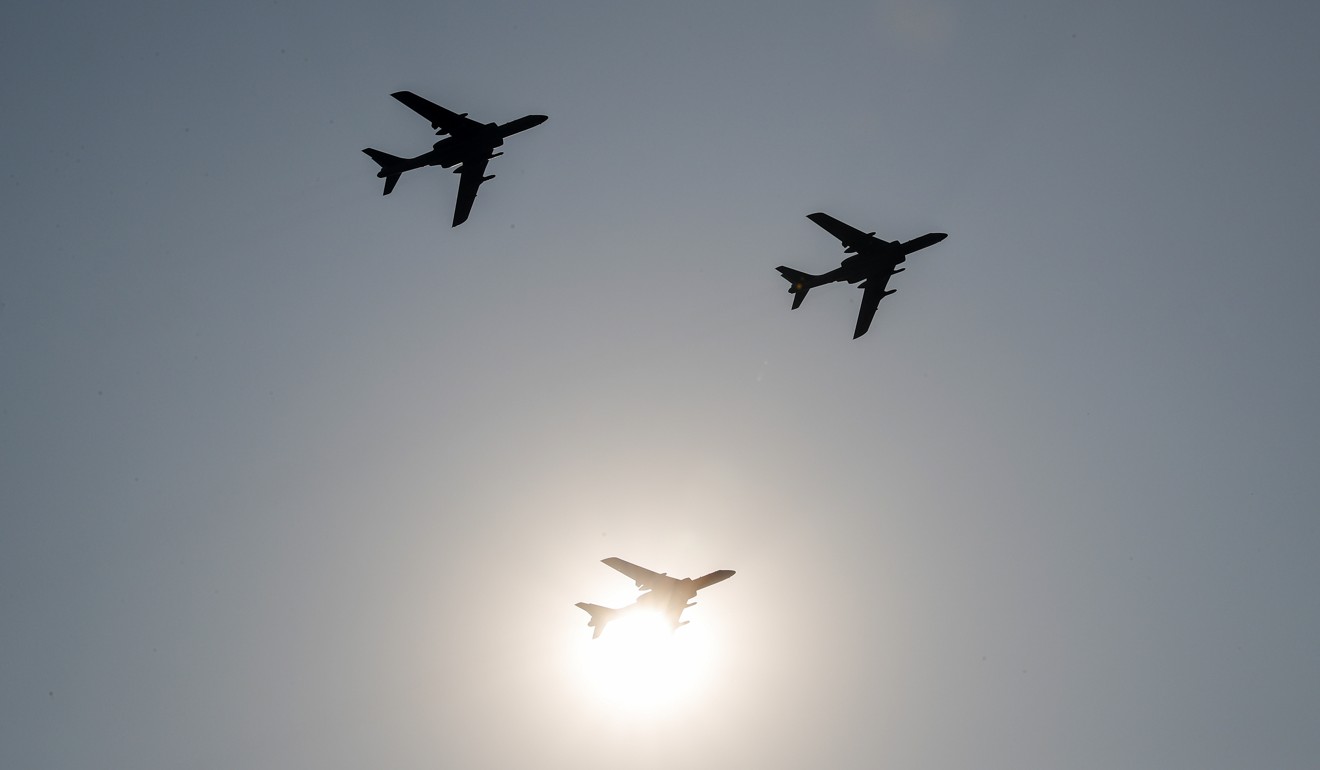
(294, 475)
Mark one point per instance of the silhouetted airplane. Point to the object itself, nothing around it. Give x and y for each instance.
(469, 143)
(666, 595)
(872, 262)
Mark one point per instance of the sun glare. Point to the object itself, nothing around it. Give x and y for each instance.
(639, 665)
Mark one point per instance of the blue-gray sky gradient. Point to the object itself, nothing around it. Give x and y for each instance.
(294, 475)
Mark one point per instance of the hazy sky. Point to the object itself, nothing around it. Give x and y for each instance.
(294, 475)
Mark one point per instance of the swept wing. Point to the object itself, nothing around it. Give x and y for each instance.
(645, 578)
(470, 176)
(850, 236)
(873, 290)
(443, 120)
(648, 580)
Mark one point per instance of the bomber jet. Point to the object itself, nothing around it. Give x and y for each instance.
(663, 594)
(872, 262)
(469, 143)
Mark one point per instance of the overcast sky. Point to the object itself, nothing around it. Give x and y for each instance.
(294, 475)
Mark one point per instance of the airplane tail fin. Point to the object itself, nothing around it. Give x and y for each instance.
(388, 164)
(799, 283)
(600, 616)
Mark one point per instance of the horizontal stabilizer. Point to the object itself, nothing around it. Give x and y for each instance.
(600, 616)
(383, 158)
(390, 167)
(799, 283)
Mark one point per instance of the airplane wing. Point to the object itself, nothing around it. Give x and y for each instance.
(470, 176)
(872, 292)
(847, 234)
(645, 578)
(446, 121)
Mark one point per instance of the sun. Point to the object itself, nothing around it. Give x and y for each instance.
(638, 665)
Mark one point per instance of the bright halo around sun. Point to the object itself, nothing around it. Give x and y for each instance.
(639, 665)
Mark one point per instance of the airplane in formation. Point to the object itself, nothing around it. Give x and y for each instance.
(872, 262)
(468, 143)
(667, 595)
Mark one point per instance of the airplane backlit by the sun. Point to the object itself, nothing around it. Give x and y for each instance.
(664, 595)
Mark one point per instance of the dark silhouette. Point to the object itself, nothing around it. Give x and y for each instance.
(469, 143)
(872, 262)
(666, 595)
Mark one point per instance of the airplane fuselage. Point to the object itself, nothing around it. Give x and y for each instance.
(453, 150)
(878, 257)
(449, 152)
(467, 145)
(867, 264)
(870, 262)
(670, 601)
(663, 595)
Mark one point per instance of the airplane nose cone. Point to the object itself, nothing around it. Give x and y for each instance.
(937, 237)
(537, 120)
